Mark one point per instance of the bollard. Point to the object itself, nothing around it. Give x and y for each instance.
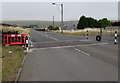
(27, 42)
(115, 42)
(27, 48)
(87, 35)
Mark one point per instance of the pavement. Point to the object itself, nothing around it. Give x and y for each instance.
(58, 57)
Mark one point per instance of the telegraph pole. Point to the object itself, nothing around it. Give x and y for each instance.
(61, 18)
(53, 21)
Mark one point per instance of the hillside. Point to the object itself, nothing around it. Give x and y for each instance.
(40, 23)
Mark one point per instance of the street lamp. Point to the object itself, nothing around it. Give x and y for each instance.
(61, 15)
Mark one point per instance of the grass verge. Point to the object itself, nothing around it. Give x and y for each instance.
(11, 62)
(0, 64)
(91, 32)
(12, 56)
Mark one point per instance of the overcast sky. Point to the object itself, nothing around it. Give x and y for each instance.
(45, 10)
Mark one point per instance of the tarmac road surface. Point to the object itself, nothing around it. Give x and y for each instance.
(57, 57)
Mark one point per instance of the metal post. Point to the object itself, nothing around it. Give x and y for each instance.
(111, 31)
(61, 18)
(101, 32)
(53, 21)
(38, 23)
(87, 35)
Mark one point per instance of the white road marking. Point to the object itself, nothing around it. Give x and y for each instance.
(53, 38)
(46, 35)
(82, 51)
(72, 46)
(49, 37)
(41, 33)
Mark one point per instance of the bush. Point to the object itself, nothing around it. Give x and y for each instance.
(53, 28)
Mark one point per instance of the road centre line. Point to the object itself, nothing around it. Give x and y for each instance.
(53, 38)
(49, 37)
(71, 46)
(41, 34)
(46, 35)
(82, 51)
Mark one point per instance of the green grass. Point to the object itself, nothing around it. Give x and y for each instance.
(11, 62)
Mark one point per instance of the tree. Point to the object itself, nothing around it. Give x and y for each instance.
(82, 23)
(109, 23)
(90, 22)
(104, 22)
(96, 23)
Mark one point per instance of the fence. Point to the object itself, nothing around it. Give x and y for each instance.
(14, 39)
(108, 31)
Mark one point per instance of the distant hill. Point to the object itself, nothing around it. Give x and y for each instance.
(42, 24)
(31, 22)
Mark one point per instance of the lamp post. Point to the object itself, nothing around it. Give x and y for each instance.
(61, 15)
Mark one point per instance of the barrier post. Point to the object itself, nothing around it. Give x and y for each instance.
(87, 35)
(115, 41)
(27, 46)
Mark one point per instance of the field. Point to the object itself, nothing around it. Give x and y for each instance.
(32, 22)
(20, 30)
(41, 24)
(91, 32)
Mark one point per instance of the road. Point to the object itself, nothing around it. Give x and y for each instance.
(57, 57)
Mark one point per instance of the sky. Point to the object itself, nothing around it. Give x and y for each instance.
(45, 10)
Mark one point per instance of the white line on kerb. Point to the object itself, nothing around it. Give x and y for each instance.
(20, 69)
(82, 51)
